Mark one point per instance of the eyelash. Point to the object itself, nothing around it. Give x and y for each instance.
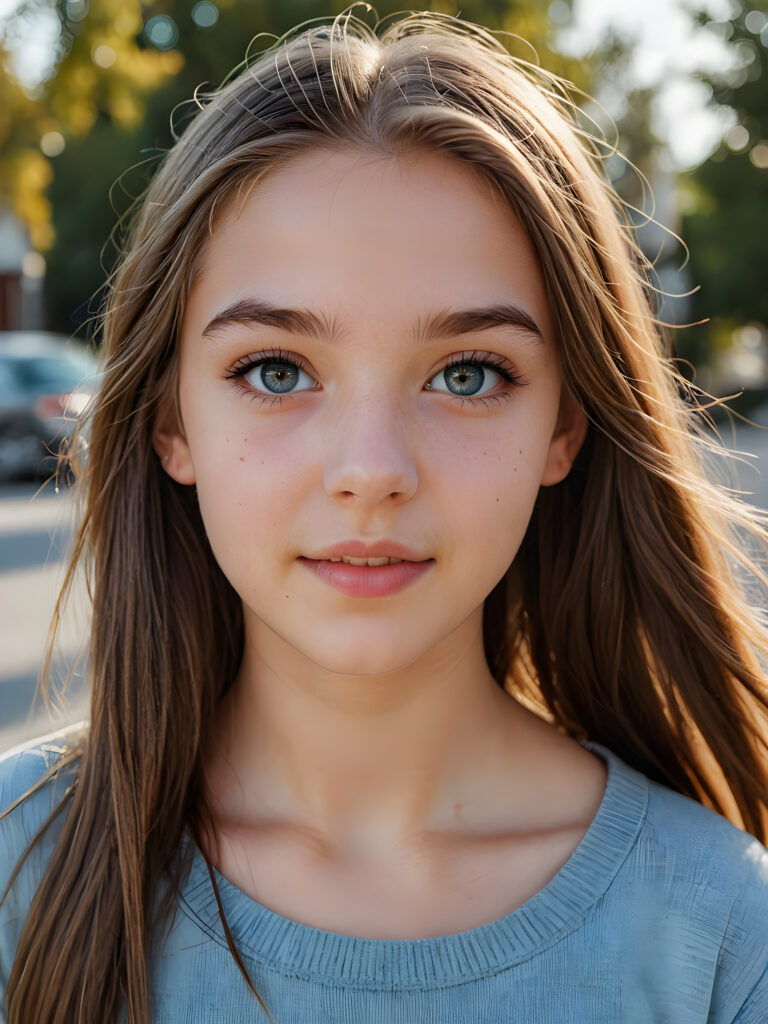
(497, 363)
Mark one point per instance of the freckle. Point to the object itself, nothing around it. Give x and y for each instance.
(497, 499)
(515, 468)
(521, 451)
(485, 453)
(227, 440)
(242, 459)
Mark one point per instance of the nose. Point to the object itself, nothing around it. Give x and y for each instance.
(369, 456)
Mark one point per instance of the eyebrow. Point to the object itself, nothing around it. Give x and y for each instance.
(444, 324)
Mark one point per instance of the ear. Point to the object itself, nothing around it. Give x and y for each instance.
(570, 431)
(169, 442)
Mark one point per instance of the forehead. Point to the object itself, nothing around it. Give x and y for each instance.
(349, 232)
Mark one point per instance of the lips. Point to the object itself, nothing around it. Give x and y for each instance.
(368, 581)
(371, 562)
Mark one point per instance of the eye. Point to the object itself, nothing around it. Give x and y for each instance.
(467, 373)
(273, 376)
(276, 373)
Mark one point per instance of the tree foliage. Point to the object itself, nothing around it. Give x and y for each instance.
(121, 85)
(725, 199)
(101, 70)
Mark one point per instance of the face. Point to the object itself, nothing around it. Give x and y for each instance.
(374, 414)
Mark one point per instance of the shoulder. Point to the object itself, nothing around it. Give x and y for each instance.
(677, 841)
(31, 788)
(22, 767)
(710, 883)
(704, 842)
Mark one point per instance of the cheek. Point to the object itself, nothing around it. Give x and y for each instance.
(490, 485)
(245, 501)
(246, 486)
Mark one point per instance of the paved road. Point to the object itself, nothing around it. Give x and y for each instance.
(35, 529)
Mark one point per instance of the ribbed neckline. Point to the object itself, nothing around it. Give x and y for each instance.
(298, 950)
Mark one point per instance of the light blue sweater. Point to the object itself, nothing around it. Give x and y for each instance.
(660, 916)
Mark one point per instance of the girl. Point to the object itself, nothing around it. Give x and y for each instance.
(379, 305)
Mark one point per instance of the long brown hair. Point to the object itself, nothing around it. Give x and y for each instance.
(625, 617)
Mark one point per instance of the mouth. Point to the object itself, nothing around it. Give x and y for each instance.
(368, 562)
(383, 551)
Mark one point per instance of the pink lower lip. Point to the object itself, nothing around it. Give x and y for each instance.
(367, 580)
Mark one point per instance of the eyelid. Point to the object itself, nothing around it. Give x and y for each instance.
(278, 355)
(266, 355)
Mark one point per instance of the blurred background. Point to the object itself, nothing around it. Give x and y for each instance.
(91, 94)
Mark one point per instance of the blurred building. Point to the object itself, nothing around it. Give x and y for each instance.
(21, 277)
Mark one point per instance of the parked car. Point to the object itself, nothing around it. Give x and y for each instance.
(45, 382)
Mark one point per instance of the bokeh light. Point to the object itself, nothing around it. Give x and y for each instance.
(162, 32)
(52, 143)
(737, 138)
(104, 56)
(33, 264)
(205, 14)
(77, 10)
(755, 22)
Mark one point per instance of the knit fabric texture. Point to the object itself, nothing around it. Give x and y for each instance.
(659, 915)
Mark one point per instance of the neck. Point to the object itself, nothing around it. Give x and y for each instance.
(369, 762)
